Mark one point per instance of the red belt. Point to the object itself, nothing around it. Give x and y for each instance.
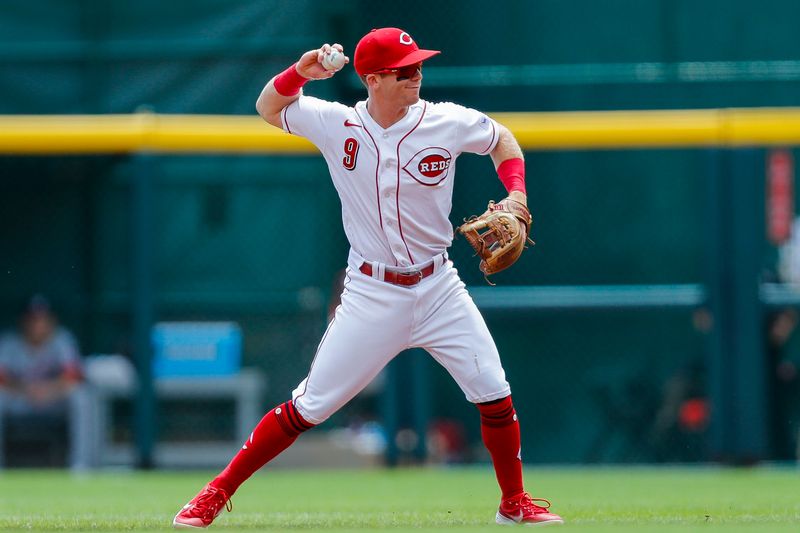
(407, 279)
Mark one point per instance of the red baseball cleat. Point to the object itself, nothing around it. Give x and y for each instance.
(203, 509)
(520, 509)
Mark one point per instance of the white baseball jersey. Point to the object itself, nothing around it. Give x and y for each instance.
(395, 184)
(396, 187)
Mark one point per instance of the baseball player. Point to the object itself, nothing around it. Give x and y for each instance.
(392, 159)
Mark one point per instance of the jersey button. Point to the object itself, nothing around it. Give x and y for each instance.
(385, 135)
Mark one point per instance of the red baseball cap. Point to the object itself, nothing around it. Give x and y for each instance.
(388, 48)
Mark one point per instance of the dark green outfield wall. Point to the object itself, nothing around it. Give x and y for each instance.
(258, 239)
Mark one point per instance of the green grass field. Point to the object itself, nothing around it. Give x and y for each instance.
(590, 499)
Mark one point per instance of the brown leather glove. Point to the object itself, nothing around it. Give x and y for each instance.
(507, 225)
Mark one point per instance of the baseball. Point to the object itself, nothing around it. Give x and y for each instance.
(333, 60)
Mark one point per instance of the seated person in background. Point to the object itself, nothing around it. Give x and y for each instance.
(41, 384)
(40, 365)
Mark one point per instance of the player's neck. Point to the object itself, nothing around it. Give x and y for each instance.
(384, 114)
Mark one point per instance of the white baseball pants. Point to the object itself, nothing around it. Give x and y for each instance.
(377, 320)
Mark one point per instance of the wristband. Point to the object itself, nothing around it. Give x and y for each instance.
(512, 174)
(289, 82)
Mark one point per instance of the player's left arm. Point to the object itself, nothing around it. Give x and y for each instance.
(509, 161)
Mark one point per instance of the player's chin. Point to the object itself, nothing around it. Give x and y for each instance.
(412, 95)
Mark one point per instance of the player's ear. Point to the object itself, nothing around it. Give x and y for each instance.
(372, 81)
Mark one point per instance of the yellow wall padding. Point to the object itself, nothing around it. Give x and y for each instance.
(149, 132)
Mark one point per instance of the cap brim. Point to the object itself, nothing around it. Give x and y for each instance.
(416, 56)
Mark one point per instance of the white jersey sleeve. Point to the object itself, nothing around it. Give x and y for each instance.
(308, 117)
(477, 133)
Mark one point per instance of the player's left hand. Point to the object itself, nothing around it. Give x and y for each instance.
(519, 196)
(500, 234)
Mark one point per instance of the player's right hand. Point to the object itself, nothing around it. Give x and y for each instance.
(310, 64)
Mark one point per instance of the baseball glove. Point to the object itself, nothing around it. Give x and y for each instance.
(507, 225)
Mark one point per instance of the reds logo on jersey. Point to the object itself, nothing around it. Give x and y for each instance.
(429, 166)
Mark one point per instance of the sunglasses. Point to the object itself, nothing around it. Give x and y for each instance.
(403, 73)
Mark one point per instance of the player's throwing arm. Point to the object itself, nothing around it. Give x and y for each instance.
(283, 89)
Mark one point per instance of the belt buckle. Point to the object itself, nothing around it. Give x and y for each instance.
(418, 273)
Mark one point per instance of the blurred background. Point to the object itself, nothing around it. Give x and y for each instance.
(654, 320)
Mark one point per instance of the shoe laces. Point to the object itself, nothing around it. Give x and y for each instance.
(211, 502)
(526, 503)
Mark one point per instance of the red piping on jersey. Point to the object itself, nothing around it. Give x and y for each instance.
(285, 121)
(397, 195)
(377, 168)
(494, 132)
